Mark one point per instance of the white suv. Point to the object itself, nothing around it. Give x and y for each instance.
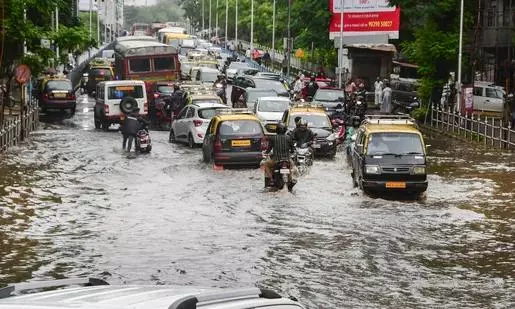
(114, 99)
(191, 124)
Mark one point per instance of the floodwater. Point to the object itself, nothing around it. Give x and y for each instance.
(72, 204)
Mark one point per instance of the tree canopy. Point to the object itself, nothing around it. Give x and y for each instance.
(163, 11)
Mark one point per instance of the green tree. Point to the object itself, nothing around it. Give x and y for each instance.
(163, 11)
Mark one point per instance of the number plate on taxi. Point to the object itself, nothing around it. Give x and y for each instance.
(240, 143)
(395, 185)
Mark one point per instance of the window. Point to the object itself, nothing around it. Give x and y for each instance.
(493, 93)
(164, 64)
(314, 120)
(394, 143)
(58, 85)
(207, 113)
(101, 72)
(190, 113)
(240, 128)
(139, 65)
(121, 92)
(478, 91)
(182, 113)
(273, 106)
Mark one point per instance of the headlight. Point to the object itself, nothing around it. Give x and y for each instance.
(372, 169)
(419, 170)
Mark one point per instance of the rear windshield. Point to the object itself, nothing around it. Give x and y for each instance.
(313, 120)
(328, 95)
(165, 89)
(254, 95)
(120, 92)
(58, 85)
(207, 113)
(273, 106)
(208, 76)
(231, 128)
(100, 72)
(270, 84)
(394, 143)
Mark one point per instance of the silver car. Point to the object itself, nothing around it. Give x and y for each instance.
(96, 293)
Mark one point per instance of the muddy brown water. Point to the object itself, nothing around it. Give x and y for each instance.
(72, 204)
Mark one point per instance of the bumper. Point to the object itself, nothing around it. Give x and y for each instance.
(58, 104)
(198, 136)
(119, 118)
(410, 186)
(238, 158)
(325, 148)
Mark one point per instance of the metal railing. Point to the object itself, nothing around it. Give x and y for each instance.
(16, 128)
(487, 130)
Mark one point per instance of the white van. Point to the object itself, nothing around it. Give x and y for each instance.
(488, 97)
(115, 99)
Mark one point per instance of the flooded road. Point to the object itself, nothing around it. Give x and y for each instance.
(72, 204)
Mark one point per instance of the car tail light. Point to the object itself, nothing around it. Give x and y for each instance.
(45, 95)
(157, 95)
(218, 145)
(197, 122)
(71, 96)
(264, 143)
(145, 107)
(106, 109)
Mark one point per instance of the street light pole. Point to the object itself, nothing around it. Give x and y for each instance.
(209, 33)
(340, 51)
(251, 27)
(203, 18)
(57, 28)
(273, 32)
(458, 83)
(226, 22)
(98, 25)
(236, 25)
(288, 48)
(216, 19)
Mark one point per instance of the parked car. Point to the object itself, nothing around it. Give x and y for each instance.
(97, 293)
(191, 124)
(487, 97)
(115, 99)
(56, 93)
(234, 138)
(389, 154)
(270, 110)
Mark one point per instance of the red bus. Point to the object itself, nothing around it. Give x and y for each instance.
(149, 61)
(141, 29)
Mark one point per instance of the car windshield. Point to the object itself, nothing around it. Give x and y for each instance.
(59, 85)
(165, 89)
(208, 113)
(120, 92)
(270, 84)
(328, 95)
(273, 106)
(100, 72)
(313, 120)
(208, 76)
(254, 95)
(231, 128)
(394, 143)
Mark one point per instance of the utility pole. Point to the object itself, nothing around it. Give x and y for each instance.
(340, 50)
(203, 18)
(458, 83)
(251, 27)
(236, 26)
(98, 25)
(288, 48)
(57, 29)
(273, 32)
(216, 19)
(209, 35)
(226, 22)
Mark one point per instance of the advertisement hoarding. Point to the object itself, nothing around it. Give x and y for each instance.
(364, 17)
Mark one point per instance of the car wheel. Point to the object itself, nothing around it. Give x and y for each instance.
(191, 142)
(172, 138)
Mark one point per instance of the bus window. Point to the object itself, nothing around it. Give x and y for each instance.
(139, 65)
(164, 64)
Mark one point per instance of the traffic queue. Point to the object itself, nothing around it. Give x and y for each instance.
(258, 122)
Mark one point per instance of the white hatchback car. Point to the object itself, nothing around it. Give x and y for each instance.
(270, 111)
(191, 124)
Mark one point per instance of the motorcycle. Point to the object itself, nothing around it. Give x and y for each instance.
(143, 141)
(339, 125)
(220, 91)
(281, 175)
(304, 155)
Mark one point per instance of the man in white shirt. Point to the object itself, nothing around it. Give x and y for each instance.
(378, 87)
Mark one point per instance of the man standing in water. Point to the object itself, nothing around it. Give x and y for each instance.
(386, 99)
(378, 87)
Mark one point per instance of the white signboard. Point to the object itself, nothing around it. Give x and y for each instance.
(361, 6)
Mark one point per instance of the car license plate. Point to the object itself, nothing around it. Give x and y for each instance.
(60, 95)
(395, 185)
(272, 126)
(143, 145)
(240, 143)
(284, 171)
(317, 145)
(99, 78)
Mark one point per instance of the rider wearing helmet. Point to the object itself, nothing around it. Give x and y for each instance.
(312, 87)
(282, 146)
(178, 99)
(302, 134)
(355, 123)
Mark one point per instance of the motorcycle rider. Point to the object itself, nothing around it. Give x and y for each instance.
(178, 100)
(312, 87)
(355, 123)
(302, 134)
(282, 146)
(221, 80)
(130, 127)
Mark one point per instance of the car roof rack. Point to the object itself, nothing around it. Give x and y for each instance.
(190, 302)
(389, 119)
(18, 287)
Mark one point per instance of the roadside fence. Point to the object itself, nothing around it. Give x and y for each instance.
(489, 131)
(16, 128)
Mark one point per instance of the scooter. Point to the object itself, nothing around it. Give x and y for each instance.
(143, 141)
(281, 175)
(304, 155)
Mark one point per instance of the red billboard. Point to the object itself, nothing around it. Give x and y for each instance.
(364, 17)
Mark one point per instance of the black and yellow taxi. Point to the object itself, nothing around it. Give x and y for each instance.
(319, 122)
(56, 92)
(100, 69)
(234, 137)
(389, 154)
